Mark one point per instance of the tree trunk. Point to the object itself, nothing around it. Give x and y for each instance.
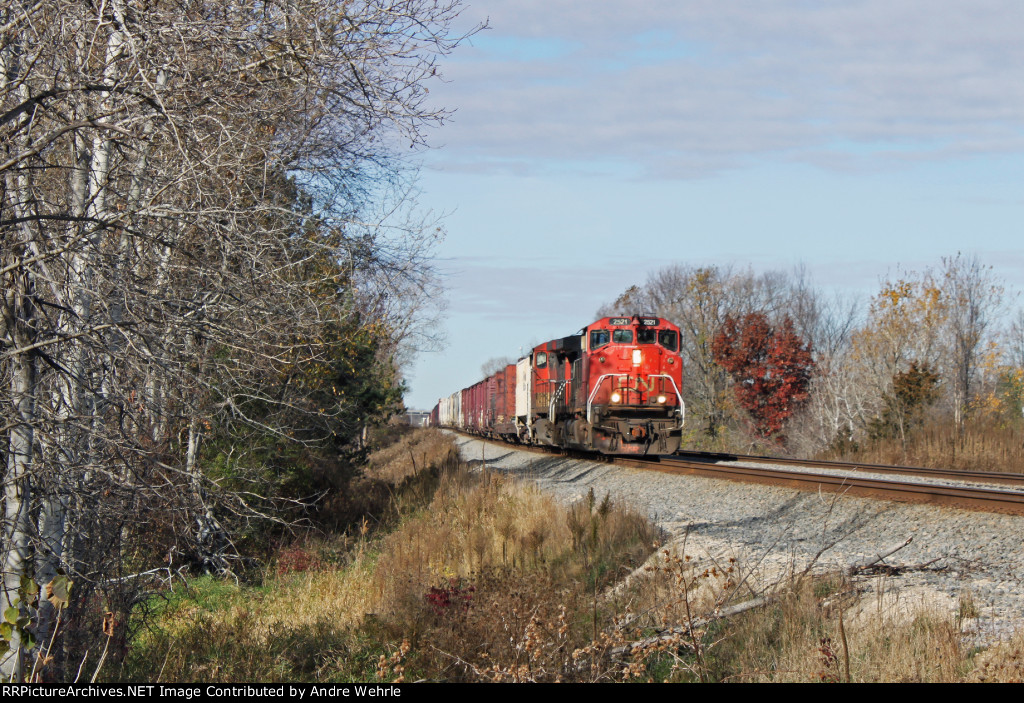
(18, 490)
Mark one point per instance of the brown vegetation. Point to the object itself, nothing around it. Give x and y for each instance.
(982, 446)
(210, 258)
(471, 576)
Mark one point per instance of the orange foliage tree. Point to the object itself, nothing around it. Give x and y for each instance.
(770, 367)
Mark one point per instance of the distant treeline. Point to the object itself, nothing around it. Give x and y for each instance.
(939, 347)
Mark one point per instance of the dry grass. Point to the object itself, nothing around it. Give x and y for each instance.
(413, 453)
(804, 637)
(982, 446)
(1002, 664)
(475, 577)
(988, 443)
(472, 562)
(821, 628)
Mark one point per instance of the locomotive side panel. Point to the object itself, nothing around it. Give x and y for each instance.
(544, 428)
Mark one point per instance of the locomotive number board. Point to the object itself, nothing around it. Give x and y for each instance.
(645, 321)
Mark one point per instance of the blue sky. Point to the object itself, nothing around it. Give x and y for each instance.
(595, 142)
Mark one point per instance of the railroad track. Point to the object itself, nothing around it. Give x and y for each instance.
(968, 492)
(946, 474)
(965, 494)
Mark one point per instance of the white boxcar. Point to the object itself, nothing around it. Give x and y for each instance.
(524, 396)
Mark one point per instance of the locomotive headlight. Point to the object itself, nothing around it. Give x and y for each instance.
(661, 399)
(637, 357)
(616, 397)
(671, 360)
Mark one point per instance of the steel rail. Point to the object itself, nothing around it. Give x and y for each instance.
(976, 498)
(925, 472)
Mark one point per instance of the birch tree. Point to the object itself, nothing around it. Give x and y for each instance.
(168, 172)
(974, 301)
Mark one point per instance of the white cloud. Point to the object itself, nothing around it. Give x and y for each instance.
(679, 89)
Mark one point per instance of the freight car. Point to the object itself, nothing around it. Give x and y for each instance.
(613, 387)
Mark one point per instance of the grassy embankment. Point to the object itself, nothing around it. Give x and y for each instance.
(465, 575)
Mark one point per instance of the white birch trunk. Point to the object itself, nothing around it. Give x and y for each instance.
(19, 313)
(17, 499)
(89, 178)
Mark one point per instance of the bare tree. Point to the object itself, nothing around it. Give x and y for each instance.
(974, 300)
(1015, 340)
(492, 366)
(839, 407)
(198, 202)
(904, 325)
(940, 321)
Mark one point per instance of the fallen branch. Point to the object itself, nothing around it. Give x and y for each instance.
(871, 561)
(671, 633)
(895, 569)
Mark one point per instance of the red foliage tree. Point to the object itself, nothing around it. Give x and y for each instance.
(770, 367)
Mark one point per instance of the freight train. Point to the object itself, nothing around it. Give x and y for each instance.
(614, 387)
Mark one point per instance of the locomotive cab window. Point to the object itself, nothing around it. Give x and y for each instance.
(622, 336)
(542, 360)
(645, 336)
(669, 339)
(598, 338)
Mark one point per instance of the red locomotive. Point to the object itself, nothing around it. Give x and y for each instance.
(613, 387)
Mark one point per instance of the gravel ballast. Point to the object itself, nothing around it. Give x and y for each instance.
(773, 531)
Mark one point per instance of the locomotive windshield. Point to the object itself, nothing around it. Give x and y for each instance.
(669, 339)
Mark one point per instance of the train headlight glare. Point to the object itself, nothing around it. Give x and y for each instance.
(637, 357)
(661, 399)
(616, 397)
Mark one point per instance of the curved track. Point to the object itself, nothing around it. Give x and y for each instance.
(965, 494)
(967, 490)
(947, 474)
